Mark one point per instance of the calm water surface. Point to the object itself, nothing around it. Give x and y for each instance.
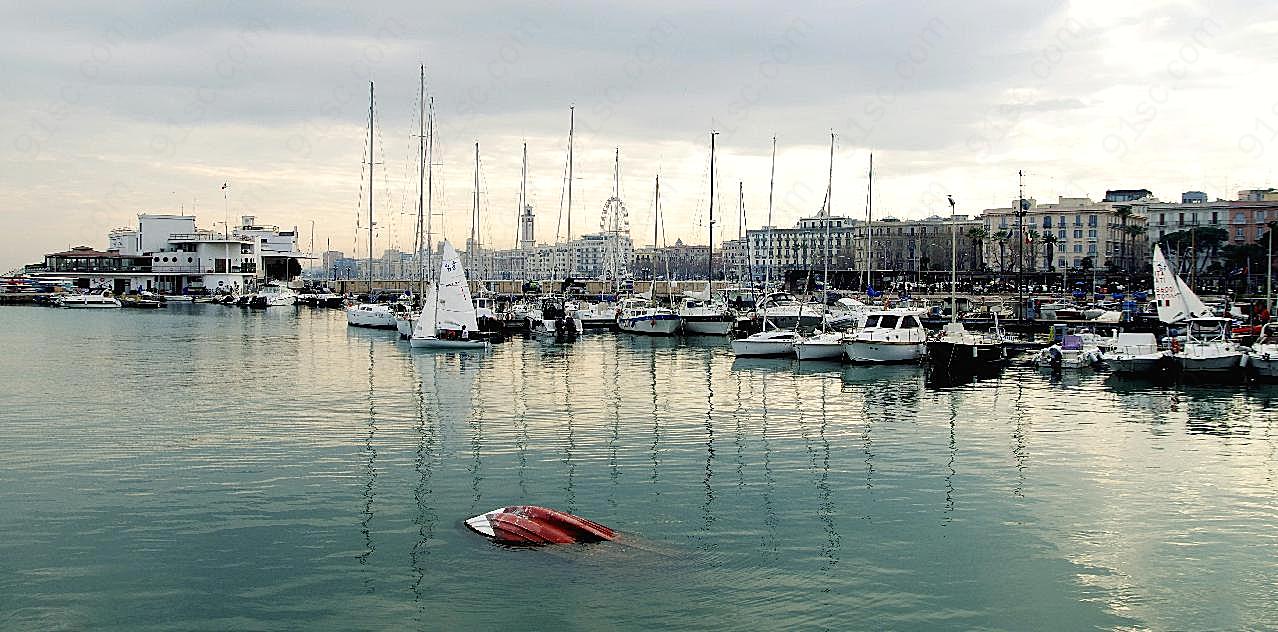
(208, 468)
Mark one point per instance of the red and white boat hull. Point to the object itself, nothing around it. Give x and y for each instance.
(531, 525)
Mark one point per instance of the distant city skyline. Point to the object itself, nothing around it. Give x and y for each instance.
(148, 107)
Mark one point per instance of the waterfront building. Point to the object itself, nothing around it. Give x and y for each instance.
(168, 253)
(597, 256)
(896, 245)
(1074, 232)
(1244, 219)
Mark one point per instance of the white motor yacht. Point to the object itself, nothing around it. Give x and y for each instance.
(1262, 357)
(1207, 347)
(787, 312)
(1135, 353)
(98, 299)
(273, 295)
(889, 336)
(705, 317)
(599, 315)
(1072, 352)
(773, 342)
(640, 316)
(822, 345)
(374, 315)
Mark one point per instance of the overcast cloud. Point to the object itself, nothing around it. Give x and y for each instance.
(111, 109)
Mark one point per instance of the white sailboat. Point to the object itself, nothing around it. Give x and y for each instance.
(1207, 347)
(776, 342)
(375, 315)
(826, 343)
(705, 315)
(448, 316)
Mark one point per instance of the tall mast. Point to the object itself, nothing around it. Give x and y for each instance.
(523, 200)
(1269, 272)
(710, 255)
(1020, 238)
(869, 228)
(370, 189)
(421, 181)
(741, 240)
(829, 210)
(430, 189)
(572, 248)
(772, 178)
(474, 216)
(656, 198)
(953, 261)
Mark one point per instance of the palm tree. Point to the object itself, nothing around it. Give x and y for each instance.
(1033, 237)
(1002, 237)
(1049, 245)
(1122, 212)
(978, 236)
(1132, 232)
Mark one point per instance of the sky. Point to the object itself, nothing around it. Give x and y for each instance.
(114, 109)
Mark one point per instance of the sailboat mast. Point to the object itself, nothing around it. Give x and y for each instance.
(869, 228)
(572, 248)
(710, 254)
(953, 262)
(1269, 273)
(523, 200)
(473, 249)
(772, 178)
(421, 181)
(744, 260)
(829, 210)
(370, 189)
(430, 189)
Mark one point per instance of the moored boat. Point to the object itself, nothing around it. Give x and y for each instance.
(889, 336)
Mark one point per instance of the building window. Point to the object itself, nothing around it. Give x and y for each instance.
(1091, 233)
(1215, 217)
(1162, 219)
(1060, 233)
(1091, 220)
(1078, 220)
(1238, 218)
(1078, 247)
(1047, 221)
(1078, 233)
(1238, 233)
(1091, 249)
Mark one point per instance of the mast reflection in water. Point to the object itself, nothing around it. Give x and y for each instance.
(322, 484)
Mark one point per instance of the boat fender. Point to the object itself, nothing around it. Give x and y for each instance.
(1175, 345)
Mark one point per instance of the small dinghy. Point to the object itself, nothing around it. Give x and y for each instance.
(531, 525)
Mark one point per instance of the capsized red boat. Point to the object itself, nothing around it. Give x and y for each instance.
(535, 526)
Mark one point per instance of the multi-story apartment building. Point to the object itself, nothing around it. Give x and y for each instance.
(1082, 233)
(1244, 220)
(886, 245)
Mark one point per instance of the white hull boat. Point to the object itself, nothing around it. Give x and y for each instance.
(706, 317)
(1262, 358)
(1207, 348)
(638, 316)
(375, 315)
(448, 312)
(822, 346)
(1135, 353)
(89, 301)
(889, 336)
(773, 343)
